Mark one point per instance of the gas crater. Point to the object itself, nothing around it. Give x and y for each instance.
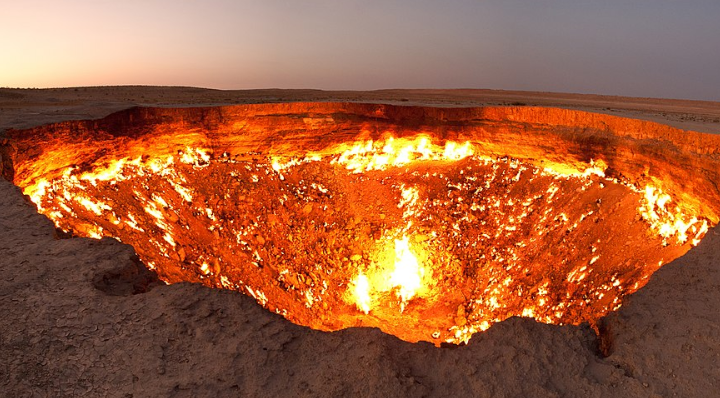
(430, 224)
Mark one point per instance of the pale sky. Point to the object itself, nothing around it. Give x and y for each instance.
(643, 48)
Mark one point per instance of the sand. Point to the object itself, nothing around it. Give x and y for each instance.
(71, 325)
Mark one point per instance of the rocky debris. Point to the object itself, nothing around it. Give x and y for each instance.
(297, 244)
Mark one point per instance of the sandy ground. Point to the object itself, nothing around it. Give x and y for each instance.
(71, 325)
(27, 108)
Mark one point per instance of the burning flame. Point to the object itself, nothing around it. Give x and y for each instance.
(405, 276)
(668, 223)
(408, 274)
(361, 291)
(379, 155)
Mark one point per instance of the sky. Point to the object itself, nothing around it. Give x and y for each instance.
(641, 48)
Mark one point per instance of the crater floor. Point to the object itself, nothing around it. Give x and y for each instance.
(492, 239)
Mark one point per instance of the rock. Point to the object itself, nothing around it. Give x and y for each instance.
(111, 217)
(460, 318)
(216, 266)
(291, 279)
(273, 219)
(172, 217)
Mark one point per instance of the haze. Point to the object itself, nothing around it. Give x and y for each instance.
(643, 48)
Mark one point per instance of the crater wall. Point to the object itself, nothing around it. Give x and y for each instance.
(683, 163)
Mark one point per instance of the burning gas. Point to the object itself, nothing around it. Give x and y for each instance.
(389, 233)
(408, 274)
(369, 155)
(670, 223)
(403, 274)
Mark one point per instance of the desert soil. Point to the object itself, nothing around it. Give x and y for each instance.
(81, 318)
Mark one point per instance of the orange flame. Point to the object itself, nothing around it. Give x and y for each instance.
(408, 274)
(668, 223)
(361, 292)
(404, 274)
(379, 155)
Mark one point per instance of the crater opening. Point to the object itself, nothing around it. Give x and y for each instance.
(430, 224)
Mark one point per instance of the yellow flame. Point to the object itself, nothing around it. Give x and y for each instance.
(379, 155)
(404, 273)
(195, 155)
(454, 152)
(596, 167)
(409, 197)
(408, 273)
(96, 208)
(361, 291)
(667, 222)
(114, 170)
(38, 192)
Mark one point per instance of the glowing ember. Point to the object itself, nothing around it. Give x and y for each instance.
(426, 238)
